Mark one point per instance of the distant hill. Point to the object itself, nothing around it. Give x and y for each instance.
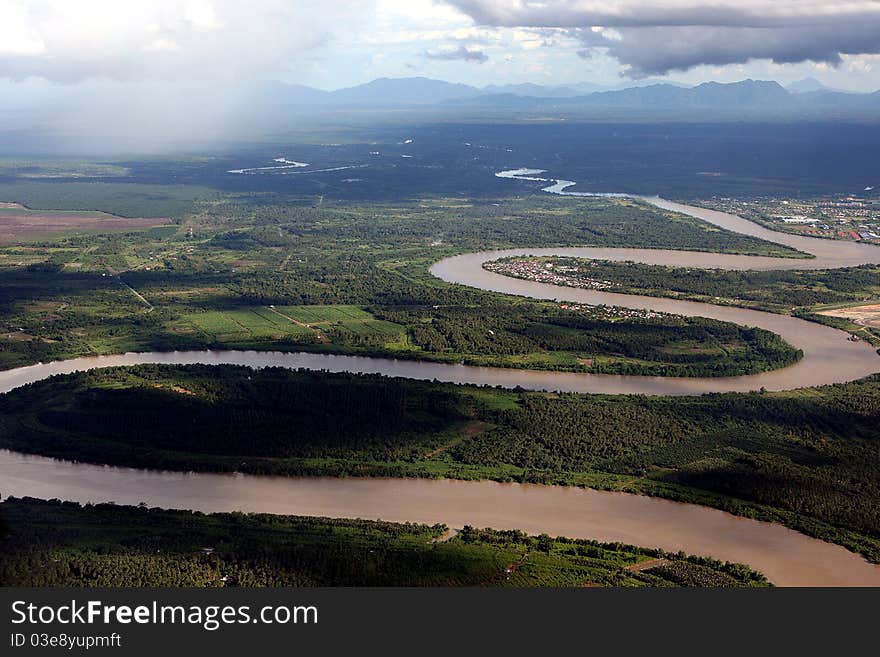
(748, 93)
(421, 91)
(751, 95)
(385, 92)
(812, 85)
(807, 85)
(402, 91)
(749, 99)
(290, 94)
(646, 82)
(530, 90)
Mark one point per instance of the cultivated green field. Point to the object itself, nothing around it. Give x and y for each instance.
(327, 314)
(253, 322)
(342, 319)
(120, 198)
(67, 169)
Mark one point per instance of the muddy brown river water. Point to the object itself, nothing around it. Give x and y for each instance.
(785, 556)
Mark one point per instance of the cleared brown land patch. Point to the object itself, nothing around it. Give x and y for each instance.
(44, 306)
(861, 315)
(471, 429)
(180, 294)
(17, 336)
(445, 536)
(19, 224)
(180, 390)
(646, 565)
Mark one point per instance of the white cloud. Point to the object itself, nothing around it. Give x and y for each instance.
(68, 41)
(200, 14)
(862, 63)
(460, 53)
(163, 45)
(332, 43)
(17, 36)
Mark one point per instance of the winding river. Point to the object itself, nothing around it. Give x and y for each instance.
(785, 556)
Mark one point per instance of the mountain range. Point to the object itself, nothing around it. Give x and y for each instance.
(70, 119)
(806, 97)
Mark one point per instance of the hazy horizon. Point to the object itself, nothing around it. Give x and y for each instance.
(154, 72)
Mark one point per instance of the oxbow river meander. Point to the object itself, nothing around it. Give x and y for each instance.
(785, 556)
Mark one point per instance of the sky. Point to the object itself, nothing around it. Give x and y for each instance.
(46, 44)
(155, 73)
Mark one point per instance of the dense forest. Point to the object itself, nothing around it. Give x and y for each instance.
(630, 344)
(52, 543)
(231, 412)
(807, 458)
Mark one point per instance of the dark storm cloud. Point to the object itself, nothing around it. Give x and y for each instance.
(656, 37)
(660, 50)
(460, 53)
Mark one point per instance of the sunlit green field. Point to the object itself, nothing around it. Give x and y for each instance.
(343, 319)
(253, 322)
